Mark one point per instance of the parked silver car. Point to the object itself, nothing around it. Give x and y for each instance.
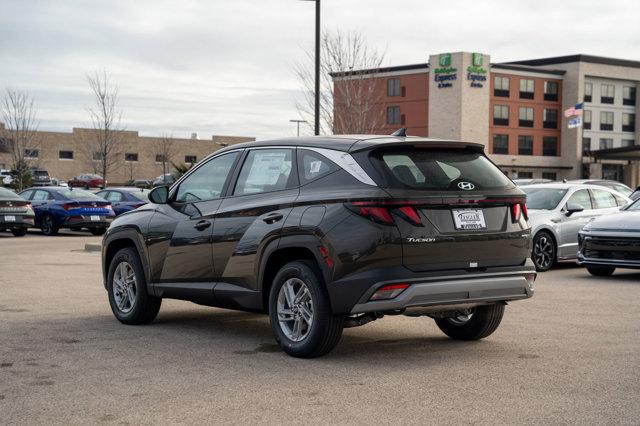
(558, 211)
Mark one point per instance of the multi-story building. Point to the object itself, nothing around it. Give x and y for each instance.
(516, 110)
(65, 155)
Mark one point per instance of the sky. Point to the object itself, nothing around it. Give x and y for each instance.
(226, 67)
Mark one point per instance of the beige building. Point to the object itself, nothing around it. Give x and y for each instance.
(65, 155)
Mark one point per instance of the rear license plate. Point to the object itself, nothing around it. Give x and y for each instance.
(469, 219)
(95, 218)
(9, 218)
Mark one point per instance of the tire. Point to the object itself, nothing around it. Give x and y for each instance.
(48, 226)
(544, 251)
(97, 231)
(326, 328)
(601, 271)
(145, 307)
(19, 232)
(483, 321)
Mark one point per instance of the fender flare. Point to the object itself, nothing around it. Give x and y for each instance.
(138, 241)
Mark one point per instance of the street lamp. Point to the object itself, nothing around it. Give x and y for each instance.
(298, 124)
(316, 118)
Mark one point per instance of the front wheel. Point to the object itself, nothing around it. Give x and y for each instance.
(544, 251)
(300, 313)
(127, 288)
(477, 324)
(48, 226)
(601, 271)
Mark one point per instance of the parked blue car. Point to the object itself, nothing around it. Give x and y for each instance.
(125, 199)
(58, 207)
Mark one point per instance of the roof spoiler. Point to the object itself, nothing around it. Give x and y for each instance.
(401, 132)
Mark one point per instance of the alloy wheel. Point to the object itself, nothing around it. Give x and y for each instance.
(124, 287)
(295, 309)
(543, 252)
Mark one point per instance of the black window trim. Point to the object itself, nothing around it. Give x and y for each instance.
(299, 154)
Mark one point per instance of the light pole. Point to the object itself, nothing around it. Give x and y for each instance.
(298, 124)
(316, 124)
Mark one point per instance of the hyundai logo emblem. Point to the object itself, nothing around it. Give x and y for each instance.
(467, 186)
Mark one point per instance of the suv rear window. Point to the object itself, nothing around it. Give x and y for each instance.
(438, 169)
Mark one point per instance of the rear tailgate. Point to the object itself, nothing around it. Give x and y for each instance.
(454, 208)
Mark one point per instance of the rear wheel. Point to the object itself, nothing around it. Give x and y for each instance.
(477, 324)
(127, 288)
(544, 251)
(601, 271)
(48, 225)
(300, 313)
(19, 232)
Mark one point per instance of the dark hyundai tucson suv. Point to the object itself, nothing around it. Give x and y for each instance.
(324, 233)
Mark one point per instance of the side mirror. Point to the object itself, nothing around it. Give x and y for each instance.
(159, 195)
(573, 208)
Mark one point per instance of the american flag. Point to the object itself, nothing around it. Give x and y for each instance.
(574, 110)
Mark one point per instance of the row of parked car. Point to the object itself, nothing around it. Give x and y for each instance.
(592, 221)
(51, 208)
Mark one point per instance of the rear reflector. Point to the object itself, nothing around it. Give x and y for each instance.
(389, 291)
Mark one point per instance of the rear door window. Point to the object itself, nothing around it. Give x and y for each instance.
(41, 196)
(265, 170)
(603, 199)
(581, 197)
(438, 169)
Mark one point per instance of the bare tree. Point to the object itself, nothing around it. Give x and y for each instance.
(106, 120)
(356, 96)
(21, 124)
(165, 149)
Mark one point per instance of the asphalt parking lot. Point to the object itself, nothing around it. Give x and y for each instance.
(569, 355)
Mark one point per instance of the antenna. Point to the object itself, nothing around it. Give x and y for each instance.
(401, 132)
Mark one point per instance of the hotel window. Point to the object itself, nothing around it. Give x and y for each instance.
(549, 175)
(131, 157)
(588, 92)
(628, 122)
(65, 155)
(606, 143)
(607, 93)
(393, 87)
(550, 91)
(500, 115)
(628, 142)
(393, 115)
(525, 145)
(526, 89)
(500, 144)
(586, 119)
(628, 95)
(586, 146)
(550, 146)
(501, 86)
(31, 153)
(550, 119)
(606, 120)
(525, 118)
(190, 159)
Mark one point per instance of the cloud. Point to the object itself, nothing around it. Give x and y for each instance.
(225, 67)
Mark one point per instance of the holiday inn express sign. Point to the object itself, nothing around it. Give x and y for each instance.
(445, 74)
(476, 73)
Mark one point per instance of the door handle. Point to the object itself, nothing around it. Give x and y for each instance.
(202, 225)
(272, 218)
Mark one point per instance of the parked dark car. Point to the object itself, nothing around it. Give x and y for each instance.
(16, 214)
(59, 207)
(324, 233)
(86, 181)
(40, 177)
(611, 242)
(125, 199)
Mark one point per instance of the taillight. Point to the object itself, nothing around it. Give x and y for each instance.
(389, 291)
(69, 206)
(525, 212)
(29, 206)
(380, 212)
(519, 210)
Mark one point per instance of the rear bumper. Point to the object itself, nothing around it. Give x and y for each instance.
(19, 222)
(86, 222)
(466, 288)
